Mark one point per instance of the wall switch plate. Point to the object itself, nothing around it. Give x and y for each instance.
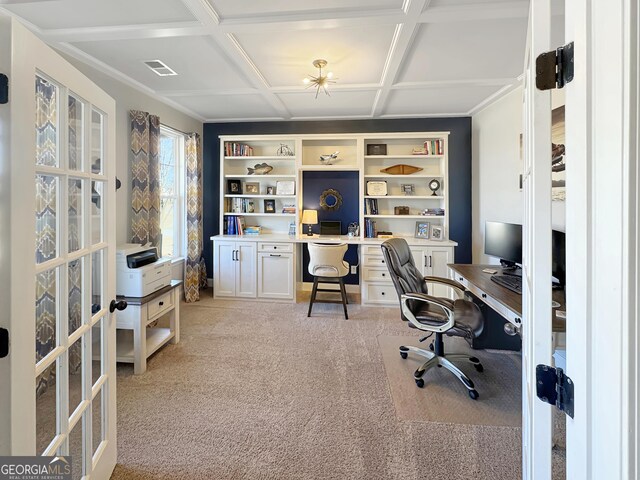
(354, 269)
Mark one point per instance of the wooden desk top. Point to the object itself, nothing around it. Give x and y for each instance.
(511, 300)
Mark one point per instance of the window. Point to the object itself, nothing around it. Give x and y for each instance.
(172, 204)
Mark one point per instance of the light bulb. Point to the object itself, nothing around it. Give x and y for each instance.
(306, 81)
(330, 75)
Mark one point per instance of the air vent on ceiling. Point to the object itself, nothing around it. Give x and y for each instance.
(160, 68)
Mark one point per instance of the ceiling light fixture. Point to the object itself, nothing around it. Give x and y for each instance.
(321, 81)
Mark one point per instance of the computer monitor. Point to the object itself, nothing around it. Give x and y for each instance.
(558, 258)
(330, 227)
(504, 241)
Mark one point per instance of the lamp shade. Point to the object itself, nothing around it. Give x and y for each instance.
(310, 217)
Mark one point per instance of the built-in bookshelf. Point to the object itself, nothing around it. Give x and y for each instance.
(261, 178)
(259, 183)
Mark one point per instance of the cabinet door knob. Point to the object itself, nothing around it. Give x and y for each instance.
(484, 295)
(274, 255)
(382, 293)
(161, 303)
(384, 274)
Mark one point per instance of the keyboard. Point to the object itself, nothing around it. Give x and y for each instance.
(509, 281)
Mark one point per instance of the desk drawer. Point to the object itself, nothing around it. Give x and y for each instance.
(381, 293)
(159, 305)
(373, 261)
(375, 274)
(275, 247)
(372, 250)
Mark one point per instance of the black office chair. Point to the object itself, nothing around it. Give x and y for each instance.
(460, 318)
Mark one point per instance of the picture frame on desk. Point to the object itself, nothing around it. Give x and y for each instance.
(437, 232)
(423, 230)
(234, 187)
(269, 206)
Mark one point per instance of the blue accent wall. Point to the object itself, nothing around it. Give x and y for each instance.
(313, 184)
(459, 165)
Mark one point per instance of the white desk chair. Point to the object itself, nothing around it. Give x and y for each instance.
(327, 265)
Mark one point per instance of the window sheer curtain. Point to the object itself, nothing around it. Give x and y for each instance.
(145, 175)
(195, 272)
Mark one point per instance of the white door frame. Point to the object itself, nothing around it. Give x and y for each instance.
(602, 219)
(17, 236)
(536, 246)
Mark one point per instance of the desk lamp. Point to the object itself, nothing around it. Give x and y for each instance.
(310, 217)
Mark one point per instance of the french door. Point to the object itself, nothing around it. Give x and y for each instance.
(57, 179)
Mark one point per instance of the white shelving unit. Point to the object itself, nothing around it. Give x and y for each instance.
(353, 156)
(235, 168)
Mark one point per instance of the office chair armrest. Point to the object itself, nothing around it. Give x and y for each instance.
(421, 297)
(448, 282)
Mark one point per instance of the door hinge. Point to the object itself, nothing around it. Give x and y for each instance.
(554, 69)
(4, 89)
(555, 388)
(4, 342)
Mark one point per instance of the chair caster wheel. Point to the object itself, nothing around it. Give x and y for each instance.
(478, 367)
(403, 354)
(473, 394)
(431, 347)
(420, 383)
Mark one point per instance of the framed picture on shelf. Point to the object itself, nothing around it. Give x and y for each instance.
(252, 187)
(271, 190)
(234, 187)
(423, 230)
(286, 187)
(437, 232)
(376, 189)
(269, 206)
(250, 207)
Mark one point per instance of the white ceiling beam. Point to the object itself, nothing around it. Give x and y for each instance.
(473, 82)
(397, 55)
(125, 32)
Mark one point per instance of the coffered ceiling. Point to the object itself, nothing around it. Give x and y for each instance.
(245, 60)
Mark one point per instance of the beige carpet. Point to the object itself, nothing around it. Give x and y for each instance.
(444, 398)
(259, 391)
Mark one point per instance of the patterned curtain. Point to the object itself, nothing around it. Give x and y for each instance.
(195, 272)
(145, 173)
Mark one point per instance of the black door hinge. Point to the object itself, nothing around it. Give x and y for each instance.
(4, 89)
(4, 342)
(555, 388)
(554, 69)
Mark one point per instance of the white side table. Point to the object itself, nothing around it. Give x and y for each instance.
(139, 313)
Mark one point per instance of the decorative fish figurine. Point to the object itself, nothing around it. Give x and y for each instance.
(326, 159)
(259, 169)
(401, 169)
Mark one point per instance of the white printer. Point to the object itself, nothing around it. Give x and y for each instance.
(140, 271)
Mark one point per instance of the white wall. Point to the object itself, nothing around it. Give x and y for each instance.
(127, 98)
(496, 167)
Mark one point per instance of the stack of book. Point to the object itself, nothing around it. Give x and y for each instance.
(232, 149)
(234, 225)
(288, 209)
(239, 205)
(370, 229)
(371, 206)
(253, 230)
(434, 146)
(433, 211)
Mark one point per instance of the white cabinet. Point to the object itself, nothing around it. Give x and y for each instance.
(276, 276)
(377, 287)
(235, 269)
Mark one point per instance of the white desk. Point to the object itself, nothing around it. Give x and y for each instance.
(268, 267)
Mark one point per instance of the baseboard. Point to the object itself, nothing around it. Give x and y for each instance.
(308, 286)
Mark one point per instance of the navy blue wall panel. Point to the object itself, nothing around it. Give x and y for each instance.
(459, 165)
(313, 184)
